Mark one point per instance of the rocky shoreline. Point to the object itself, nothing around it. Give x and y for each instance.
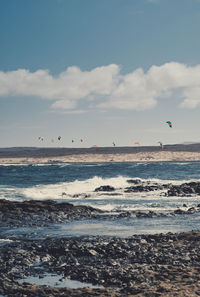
(37, 213)
(41, 213)
(140, 265)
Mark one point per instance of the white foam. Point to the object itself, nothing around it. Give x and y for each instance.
(82, 192)
(55, 191)
(60, 164)
(180, 163)
(4, 241)
(82, 187)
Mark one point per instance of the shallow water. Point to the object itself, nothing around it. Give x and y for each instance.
(121, 228)
(56, 281)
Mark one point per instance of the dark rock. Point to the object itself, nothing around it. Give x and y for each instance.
(185, 189)
(179, 211)
(147, 265)
(105, 189)
(134, 181)
(40, 213)
(191, 210)
(143, 188)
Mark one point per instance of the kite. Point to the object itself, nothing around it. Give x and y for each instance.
(169, 123)
(137, 143)
(113, 144)
(59, 137)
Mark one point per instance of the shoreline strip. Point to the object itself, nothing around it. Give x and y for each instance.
(93, 158)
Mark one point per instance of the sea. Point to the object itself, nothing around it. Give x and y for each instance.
(76, 183)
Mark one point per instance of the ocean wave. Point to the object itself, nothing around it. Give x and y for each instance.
(77, 187)
(83, 192)
(5, 240)
(81, 189)
(181, 163)
(66, 190)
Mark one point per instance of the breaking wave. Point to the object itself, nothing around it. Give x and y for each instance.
(83, 192)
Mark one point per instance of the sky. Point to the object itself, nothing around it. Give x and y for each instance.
(102, 71)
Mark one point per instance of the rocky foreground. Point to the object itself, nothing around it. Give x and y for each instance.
(35, 213)
(141, 265)
(152, 265)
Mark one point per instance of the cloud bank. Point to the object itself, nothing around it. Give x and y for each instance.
(105, 87)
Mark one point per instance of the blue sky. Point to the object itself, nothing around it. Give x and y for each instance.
(99, 70)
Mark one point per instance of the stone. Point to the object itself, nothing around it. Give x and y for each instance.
(105, 189)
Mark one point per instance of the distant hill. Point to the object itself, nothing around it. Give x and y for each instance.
(190, 142)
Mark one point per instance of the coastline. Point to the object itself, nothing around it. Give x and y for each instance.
(161, 156)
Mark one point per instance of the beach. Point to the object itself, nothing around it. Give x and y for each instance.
(137, 157)
(110, 154)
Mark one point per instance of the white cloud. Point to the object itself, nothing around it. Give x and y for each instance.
(105, 87)
(69, 85)
(191, 97)
(138, 90)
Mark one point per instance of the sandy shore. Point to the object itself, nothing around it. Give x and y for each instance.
(136, 157)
